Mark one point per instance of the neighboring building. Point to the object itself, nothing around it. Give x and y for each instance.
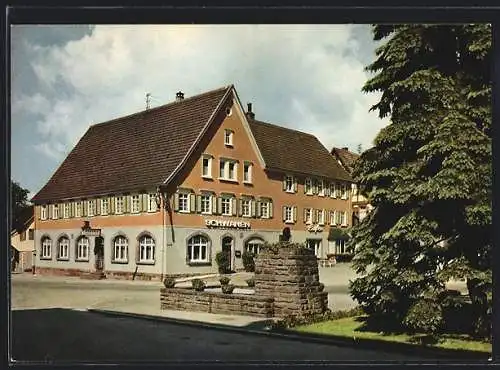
(22, 241)
(162, 191)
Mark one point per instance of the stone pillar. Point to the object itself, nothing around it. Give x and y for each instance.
(289, 273)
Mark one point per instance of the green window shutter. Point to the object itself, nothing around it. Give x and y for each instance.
(176, 202)
(284, 213)
(254, 206)
(305, 215)
(233, 206)
(284, 183)
(214, 204)
(295, 184)
(294, 211)
(270, 208)
(240, 206)
(111, 205)
(198, 203)
(192, 203)
(84, 208)
(98, 206)
(219, 205)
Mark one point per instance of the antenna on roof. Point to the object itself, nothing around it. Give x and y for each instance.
(148, 100)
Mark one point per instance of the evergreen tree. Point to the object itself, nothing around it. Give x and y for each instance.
(19, 203)
(428, 175)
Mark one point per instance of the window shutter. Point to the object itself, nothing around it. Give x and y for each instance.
(240, 207)
(176, 202)
(140, 196)
(49, 211)
(284, 213)
(111, 205)
(198, 203)
(327, 188)
(295, 184)
(294, 211)
(72, 209)
(214, 204)
(305, 185)
(219, 205)
(84, 208)
(192, 203)
(270, 209)
(255, 208)
(284, 183)
(233, 206)
(126, 203)
(97, 209)
(315, 186)
(305, 215)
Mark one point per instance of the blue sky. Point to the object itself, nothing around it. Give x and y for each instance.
(65, 78)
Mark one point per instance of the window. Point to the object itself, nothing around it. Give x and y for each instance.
(82, 249)
(63, 248)
(55, 211)
(45, 253)
(246, 207)
(340, 247)
(183, 202)
(91, 208)
(345, 191)
(247, 173)
(43, 212)
(288, 214)
(228, 137)
(314, 244)
(206, 167)
(146, 249)
(338, 217)
(226, 206)
(134, 202)
(337, 191)
(321, 188)
(120, 249)
(308, 215)
(308, 186)
(66, 210)
(321, 216)
(333, 193)
(254, 245)
(104, 206)
(264, 209)
(228, 170)
(78, 209)
(289, 184)
(119, 205)
(197, 249)
(152, 205)
(31, 234)
(332, 217)
(206, 204)
(343, 218)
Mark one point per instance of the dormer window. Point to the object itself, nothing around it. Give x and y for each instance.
(228, 137)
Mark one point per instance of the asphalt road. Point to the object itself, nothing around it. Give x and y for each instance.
(58, 335)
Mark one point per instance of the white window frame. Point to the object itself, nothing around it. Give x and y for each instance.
(55, 211)
(333, 189)
(66, 210)
(308, 216)
(224, 175)
(247, 173)
(152, 206)
(46, 250)
(63, 248)
(120, 249)
(228, 201)
(254, 245)
(332, 217)
(308, 186)
(321, 217)
(201, 242)
(203, 203)
(264, 209)
(43, 212)
(208, 167)
(345, 191)
(78, 209)
(146, 242)
(119, 201)
(248, 207)
(321, 188)
(104, 206)
(82, 249)
(338, 190)
(344, 218)
(228, 137)
(338, 217)
(289, 180)
(184, 201)
(135, 203)
(91, 207)
(289, 215)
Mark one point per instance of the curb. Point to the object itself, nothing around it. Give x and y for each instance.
(435, 354)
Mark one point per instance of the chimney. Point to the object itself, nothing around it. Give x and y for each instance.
(249, 113)
(179, 96)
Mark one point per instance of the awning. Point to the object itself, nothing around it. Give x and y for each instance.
(337, 234)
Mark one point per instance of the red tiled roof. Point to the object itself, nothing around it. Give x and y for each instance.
(290, 150)
(346, 157)
(132, 152)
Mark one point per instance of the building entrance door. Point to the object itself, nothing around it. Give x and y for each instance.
(227, 248)
(99, 253)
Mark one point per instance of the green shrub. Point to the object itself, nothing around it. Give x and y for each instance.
(291, 321)
(169, 282)
(227, 289)
(224, 280)
(251, 282)
(248, 261)
(425, 316)
(223, 262)
(198, 285)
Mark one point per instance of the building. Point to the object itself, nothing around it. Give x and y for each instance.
(22, 241)
(162, 191)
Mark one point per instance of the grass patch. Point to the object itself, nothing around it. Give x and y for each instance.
(355, 327)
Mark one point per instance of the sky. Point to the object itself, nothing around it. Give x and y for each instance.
(66, 78)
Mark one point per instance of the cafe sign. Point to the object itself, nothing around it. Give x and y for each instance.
(315, 228)
(227, 224)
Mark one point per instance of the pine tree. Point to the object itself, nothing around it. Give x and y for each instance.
(428, 175)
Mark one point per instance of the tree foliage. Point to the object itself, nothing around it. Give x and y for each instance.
(428, 174)
(19, 203)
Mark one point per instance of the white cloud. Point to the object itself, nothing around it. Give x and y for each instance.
(306, 76)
